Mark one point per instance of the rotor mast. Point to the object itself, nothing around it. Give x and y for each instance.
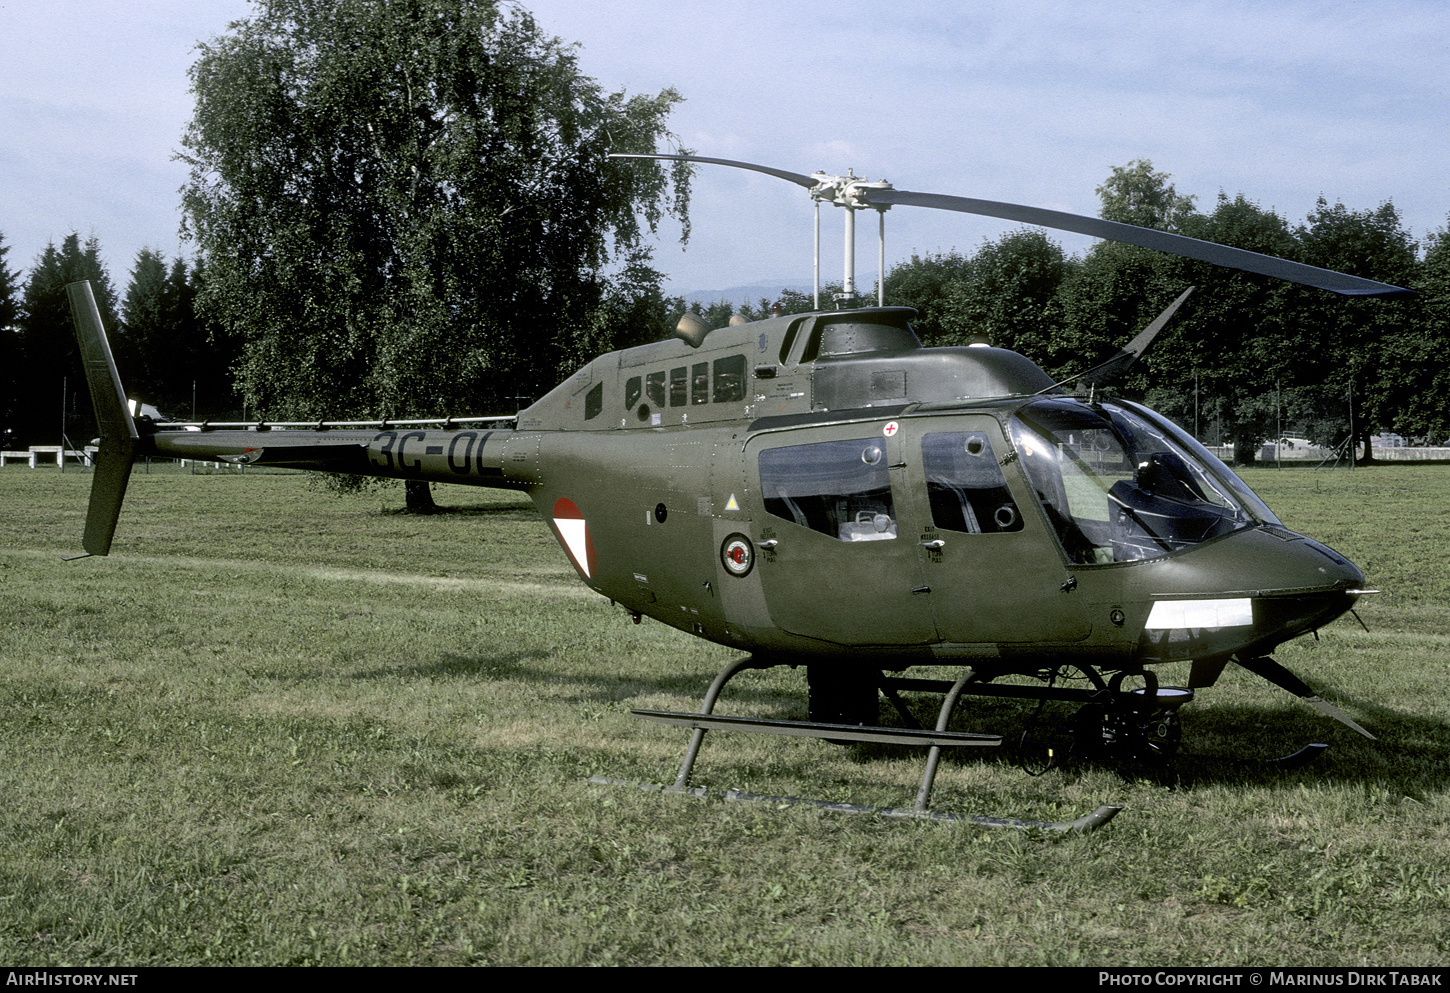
(847, 191)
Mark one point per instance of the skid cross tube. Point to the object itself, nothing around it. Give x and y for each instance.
(923, 795)
(706, 719)
(682, 781)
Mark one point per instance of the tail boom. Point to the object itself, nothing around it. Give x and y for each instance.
(472, 451)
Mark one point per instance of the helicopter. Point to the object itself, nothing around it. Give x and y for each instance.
(819, 490)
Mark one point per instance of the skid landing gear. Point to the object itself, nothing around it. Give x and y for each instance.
(934, 741)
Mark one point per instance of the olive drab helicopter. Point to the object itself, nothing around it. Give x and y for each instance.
(821, 490)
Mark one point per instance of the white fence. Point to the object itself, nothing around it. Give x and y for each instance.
(1305, 453)
(50, 453)
(1411, 454)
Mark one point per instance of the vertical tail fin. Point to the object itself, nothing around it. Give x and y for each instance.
(119, 438)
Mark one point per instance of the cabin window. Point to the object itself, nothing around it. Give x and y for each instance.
(654, 388)
(632, 392)
(594, 402)
(730, 379)
(839, 488)
(964, 484)
(679, 384)
(700, 382)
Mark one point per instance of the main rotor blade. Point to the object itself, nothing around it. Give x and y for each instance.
(1130, 234)
(790, 177)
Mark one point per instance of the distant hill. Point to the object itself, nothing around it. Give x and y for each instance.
(749, 293)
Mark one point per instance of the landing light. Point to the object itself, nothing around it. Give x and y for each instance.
(1168, 615)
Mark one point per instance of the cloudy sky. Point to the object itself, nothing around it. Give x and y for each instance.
(1028, 101)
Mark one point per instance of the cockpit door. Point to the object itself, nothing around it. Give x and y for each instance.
(838, 561)
(995, 572)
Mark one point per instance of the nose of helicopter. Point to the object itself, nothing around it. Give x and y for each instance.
(1247, 594)
(1325, 584)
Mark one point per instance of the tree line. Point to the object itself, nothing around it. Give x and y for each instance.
(168, 357)
(407, 209)
(1249, 358)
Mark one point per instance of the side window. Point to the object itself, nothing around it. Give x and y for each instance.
(965, 486)
(594, 402)
(654, 388)
(730, 379)
(632, 392)
(679, 383)
(700, 382)
(839, 488)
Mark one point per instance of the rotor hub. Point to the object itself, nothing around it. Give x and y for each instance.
(847, 191)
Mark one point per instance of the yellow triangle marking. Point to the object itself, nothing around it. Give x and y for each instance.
(732, 505)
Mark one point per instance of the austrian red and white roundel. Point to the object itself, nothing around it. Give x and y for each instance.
(737, 555)
(574, 535)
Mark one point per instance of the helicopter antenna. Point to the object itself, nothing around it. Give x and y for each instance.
(856, 194)
(1122, 360)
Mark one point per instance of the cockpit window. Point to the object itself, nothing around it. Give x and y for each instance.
(1195, 451)
(1120, 486)
(964, 484)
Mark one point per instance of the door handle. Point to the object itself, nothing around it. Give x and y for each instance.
(934, 544)
(767, 545)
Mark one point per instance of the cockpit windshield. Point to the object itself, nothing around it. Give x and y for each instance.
(1120, 485)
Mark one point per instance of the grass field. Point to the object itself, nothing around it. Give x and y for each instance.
(278, 727)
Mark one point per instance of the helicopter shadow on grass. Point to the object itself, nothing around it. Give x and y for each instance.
(501, 514)
(590, 686)
(1222, 745)
(1410, 755)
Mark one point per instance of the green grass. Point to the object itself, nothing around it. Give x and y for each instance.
(278, 727)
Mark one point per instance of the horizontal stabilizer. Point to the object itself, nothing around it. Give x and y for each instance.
(317, 456)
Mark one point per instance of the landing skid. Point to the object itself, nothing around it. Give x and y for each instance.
(1084, 824)
(1300, 758)
(934, 741)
